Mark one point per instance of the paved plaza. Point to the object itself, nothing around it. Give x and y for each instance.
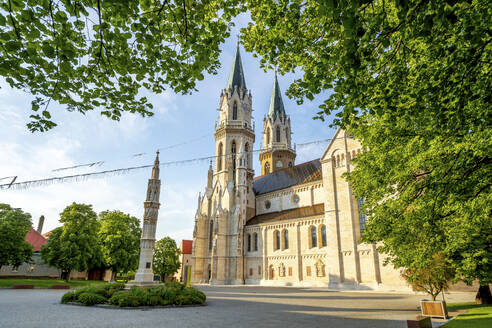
(227, 307)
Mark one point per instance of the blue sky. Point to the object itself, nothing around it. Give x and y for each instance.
(178, 118)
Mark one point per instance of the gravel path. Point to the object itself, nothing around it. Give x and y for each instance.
(227, 307)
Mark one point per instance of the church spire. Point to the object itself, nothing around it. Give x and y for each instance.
(155, 169)
(276, 108)
(236, 77)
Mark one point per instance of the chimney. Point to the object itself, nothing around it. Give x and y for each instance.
(40, 224)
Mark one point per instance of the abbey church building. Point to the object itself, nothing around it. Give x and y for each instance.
(296, 224)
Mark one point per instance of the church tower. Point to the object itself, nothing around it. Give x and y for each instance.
(229, 199)
(277, 152)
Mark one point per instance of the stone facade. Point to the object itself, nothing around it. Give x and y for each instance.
(295, 225)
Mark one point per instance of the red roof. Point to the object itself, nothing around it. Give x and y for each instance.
(186, 246)
(35, 239)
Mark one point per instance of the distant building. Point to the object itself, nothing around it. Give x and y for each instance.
(185, 259)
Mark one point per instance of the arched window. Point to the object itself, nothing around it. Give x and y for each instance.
(287, 134)
(233, 151)
(255, 241)
(267, 168)
(362, 216)
(234, 111)
(267, 141)
(322, 232)
(314, 237)
(290, 164)
(246, 150)
(210, 235)
(219, 157)
(278, 134)
(249, 242)
(276, 239)
(286, 239)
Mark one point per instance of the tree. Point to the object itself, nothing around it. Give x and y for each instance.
(75, 245)
(411, 80)
(95, 54)
(14, 226)
(119, 236)
(433, 279)
(166, 257)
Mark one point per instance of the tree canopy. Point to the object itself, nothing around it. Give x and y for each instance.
(412, 81)
(166, 257)
(75, 245)
(97, 55)
(119, 236)
(14, 226)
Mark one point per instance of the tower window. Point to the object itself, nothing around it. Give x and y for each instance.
(234, 111)
(267, 168)
(246, 150)
(286, 239)
(249, 242)
(362, 216)
(255, 242)
(219, 157)
(210, 235)
(267, 141)
(278, 134)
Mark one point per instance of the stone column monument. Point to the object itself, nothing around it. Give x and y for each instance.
(145, 274)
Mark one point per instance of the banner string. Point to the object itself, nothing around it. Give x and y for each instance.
(121, 171)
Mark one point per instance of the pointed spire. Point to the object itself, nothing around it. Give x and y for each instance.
(276, 104)
(236, 77)
(155, 169)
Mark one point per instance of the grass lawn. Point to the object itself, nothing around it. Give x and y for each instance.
(476, 316)
(46, 283)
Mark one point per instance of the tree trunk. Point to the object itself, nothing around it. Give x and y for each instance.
(483, 295)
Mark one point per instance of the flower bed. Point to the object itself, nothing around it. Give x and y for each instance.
(161, 295)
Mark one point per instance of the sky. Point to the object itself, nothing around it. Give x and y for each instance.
(179, 119)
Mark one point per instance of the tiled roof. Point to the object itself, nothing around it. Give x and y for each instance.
(299, 174)
(35, 239)
(294, 213)
(186, 246)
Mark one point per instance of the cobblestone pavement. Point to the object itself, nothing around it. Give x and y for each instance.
(227, 307)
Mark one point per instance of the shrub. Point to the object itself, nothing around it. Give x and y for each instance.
(91, 299)
(127, 300)
(69, 297)
(115, 299)
(174, 284)
(142, 294)
(197, 296)
(155, 300)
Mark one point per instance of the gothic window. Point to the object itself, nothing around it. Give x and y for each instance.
(234, 111)
(276, 239)
(233, 151)
(286, 239)
(314, 237)
(255, 241)
(267, 141)
(278, 134)
(267, 168)
(249, 242)
(290, 164)
(210, 237)
(362, 216)
(219, 157)
(246, 150)
(268, 204)
(322, 231)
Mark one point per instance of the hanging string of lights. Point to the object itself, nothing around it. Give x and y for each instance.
(121, 171)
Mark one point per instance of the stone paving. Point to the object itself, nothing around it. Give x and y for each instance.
(241, 306)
